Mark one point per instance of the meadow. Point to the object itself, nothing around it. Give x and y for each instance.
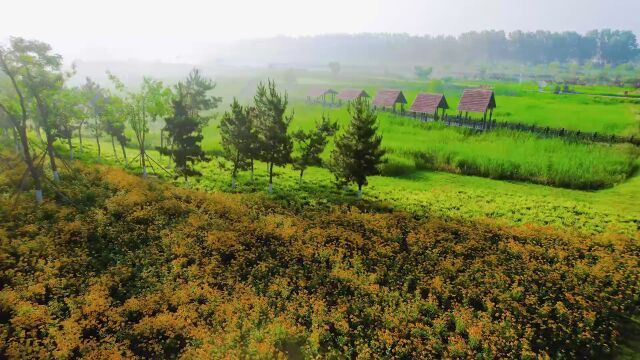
(514, 177)
(413, 146)
(423, 193)
(516, 102)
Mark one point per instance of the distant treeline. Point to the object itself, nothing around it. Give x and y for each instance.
(600, 46)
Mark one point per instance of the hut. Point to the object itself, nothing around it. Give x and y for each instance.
(388, 98)
(478, 101)
(317, 94)
(352, 94)
(428, 104)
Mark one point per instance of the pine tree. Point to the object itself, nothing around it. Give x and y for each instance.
(272, 124)
(311, 144)
(357, 153)
(184, 135)
(238, 138)
(184, 127)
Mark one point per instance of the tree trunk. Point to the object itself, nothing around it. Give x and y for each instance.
(124, 154)
(80, 137)
(16, 139)
(235, 171)
(30, 165)
(52, 157)
(270, 178)
(113, 145)
(301, 173)
(251, 170)
(359, 196)
(70, 148)
(99, 149)
(143, 161)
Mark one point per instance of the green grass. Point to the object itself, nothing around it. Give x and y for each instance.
(427, 193)
(516, 102)
(415, 146)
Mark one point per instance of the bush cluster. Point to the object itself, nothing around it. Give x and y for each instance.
(142, 269)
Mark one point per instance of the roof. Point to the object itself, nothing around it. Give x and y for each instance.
(429, 103)
(389, 97)
(477, 100)
(317, 92)
(352, 94)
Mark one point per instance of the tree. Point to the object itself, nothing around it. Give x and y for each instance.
(191, 113)
(67, 109)
(334, 66)
(43, 79)
(6, 125)
(311, 144)
(115, 118)
(423, 73)
(238, 138)
(95, 98)
(272, 124)
(184, 134)
(198, 101)
(614, 46)
(151, 102)
(357, 153)
(15, 104)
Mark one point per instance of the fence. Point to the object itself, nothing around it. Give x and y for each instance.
(486, 125)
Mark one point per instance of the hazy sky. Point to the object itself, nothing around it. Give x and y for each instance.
(185, 30)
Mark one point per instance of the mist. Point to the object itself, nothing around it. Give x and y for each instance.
(195, 31)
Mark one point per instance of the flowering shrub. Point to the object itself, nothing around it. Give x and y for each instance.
(142, 269)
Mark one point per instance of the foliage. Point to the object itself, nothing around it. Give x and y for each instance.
(184, 126)
(149, 104)
(357, 152)
(95, 103)
(185, 134)
(495, 47)
(272, 126)
(312, 144)
(67, 110)
(140, 269)
(30, 67)
(423, 73)
(115, 120)
(239, 138)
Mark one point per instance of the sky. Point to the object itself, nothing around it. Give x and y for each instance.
(191, 30)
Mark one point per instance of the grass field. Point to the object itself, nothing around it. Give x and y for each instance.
(414, 146)
(430, 193)
(426, 162)
(515, 102)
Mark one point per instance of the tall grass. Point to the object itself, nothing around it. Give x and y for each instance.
(507, 155)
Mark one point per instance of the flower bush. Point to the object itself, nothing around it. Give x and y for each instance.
(126, 267)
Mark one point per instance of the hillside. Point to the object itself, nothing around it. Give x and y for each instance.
(119, 266)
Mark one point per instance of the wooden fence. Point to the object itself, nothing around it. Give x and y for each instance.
(486, 125)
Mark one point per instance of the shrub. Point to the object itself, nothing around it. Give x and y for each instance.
(154, 271)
